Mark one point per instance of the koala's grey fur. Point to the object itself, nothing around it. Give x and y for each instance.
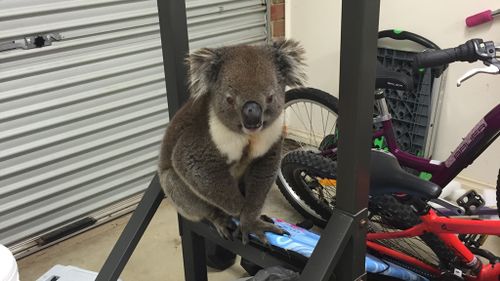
(207, 155)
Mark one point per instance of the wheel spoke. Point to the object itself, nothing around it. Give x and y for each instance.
(310, 123)
(323, 124)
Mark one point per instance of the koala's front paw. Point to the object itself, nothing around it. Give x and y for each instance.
(258, 227)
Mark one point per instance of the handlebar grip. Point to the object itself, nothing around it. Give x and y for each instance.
(479, 18)
(398, 34)
(464, 52)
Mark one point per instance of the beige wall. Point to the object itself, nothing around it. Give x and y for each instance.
(317, 25)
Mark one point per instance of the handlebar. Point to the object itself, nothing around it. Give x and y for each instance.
(465, 52)
(471, 51)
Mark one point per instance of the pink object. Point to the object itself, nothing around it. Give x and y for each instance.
(480, 18)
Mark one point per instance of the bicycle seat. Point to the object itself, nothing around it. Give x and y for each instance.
(388, 79)
(388, 177)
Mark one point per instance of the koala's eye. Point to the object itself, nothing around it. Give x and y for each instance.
(270, 99)
(230, 100)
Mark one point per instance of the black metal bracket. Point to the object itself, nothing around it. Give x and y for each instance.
(341, 250)
(340, 234)
(195, 235)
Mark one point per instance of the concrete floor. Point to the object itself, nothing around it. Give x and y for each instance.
(158, 256)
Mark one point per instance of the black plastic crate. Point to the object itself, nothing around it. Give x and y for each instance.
(410, 110)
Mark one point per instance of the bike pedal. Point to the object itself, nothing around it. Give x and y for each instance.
(471, 201)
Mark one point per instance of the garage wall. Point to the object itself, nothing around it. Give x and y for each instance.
(81, 120)
(318, 27)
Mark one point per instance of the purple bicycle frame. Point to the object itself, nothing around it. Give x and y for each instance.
(479, 138)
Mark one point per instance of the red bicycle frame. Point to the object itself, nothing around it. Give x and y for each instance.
(446, 229)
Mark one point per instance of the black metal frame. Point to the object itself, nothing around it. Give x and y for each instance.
(344, 234)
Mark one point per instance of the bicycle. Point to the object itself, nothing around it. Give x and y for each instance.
(307, 176)
(407, 239)
(398, 208)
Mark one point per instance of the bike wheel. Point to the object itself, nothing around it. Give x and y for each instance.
(311, 121)
(310, 117)
(387, 214)
(305, 170)
(310, 183)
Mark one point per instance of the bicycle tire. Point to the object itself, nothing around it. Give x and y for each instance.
(328, 102)
(296, 162)
(295, 193)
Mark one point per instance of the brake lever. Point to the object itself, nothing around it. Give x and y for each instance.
(487, 51)
(490, 69)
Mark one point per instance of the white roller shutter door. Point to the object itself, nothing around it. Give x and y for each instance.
(81, 119)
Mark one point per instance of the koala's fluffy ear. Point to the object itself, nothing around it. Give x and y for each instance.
(204, 65)
(289, 58)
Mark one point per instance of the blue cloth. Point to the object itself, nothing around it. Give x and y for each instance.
(303, 242)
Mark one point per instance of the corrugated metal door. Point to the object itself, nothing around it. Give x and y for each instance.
(81, 119)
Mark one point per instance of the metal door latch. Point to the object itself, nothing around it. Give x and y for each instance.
(31, 42)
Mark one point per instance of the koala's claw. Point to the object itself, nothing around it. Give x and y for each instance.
(258, 228)
(270, 220)
(225, 228)
(224, 233)
(266, 218)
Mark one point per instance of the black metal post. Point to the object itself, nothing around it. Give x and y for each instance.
(132, 233)
(193, 253)
(357, 80)
(175, 48)
(358, 54)
(345, 231)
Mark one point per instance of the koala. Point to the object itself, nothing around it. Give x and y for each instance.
(221, 151)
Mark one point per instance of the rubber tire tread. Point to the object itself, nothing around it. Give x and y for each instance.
(314, 164)
(403, 218)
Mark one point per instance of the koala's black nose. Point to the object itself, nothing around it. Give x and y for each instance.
(252, 115)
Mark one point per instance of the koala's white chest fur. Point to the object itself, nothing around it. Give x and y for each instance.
(232, 144)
